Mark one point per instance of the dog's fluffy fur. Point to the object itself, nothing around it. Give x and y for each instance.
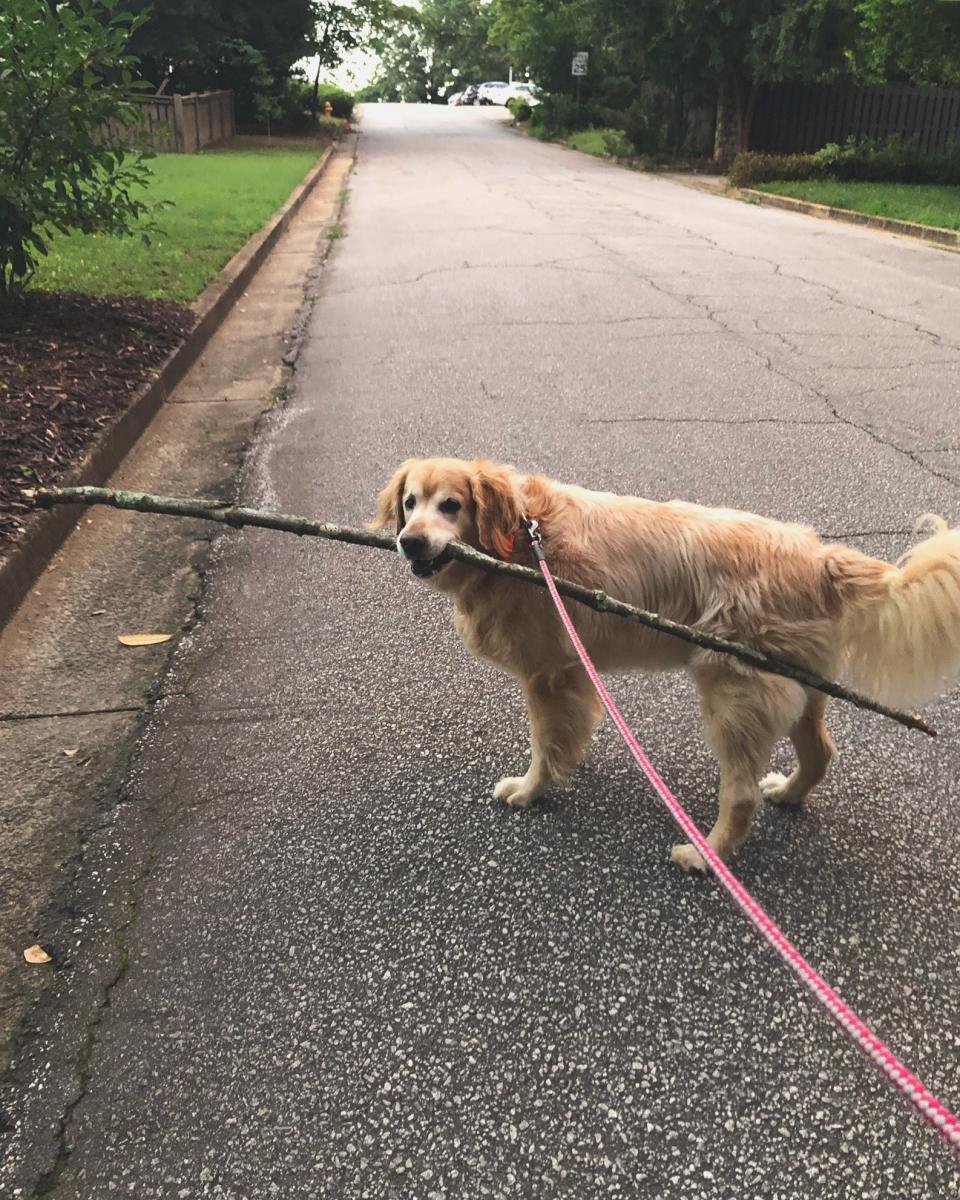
(894, 629)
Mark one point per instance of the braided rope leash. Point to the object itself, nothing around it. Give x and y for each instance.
(929, 1107)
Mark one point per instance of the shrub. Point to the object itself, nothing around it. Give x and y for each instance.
(341, 100)
(893, 161)
(65, 111)
(752, 166)
(520, 109)
(558, 115)
(604, 143)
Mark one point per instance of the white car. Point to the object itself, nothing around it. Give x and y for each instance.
(492, 93)
(521, 91)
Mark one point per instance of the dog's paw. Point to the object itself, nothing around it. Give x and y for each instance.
(511, 790)
(776, 788)
(688, 858)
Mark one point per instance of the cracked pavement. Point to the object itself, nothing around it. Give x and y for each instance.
(344, 969)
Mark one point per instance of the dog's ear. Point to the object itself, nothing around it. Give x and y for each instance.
(498, 507)
(390, 500)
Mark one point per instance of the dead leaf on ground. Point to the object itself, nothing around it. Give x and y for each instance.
(72, 752)
(36, 954)
(98, 612)
(143, 639)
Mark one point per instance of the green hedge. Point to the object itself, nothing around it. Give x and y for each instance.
(893, 161)
(341, 100)
(604, 142)
(521, 110)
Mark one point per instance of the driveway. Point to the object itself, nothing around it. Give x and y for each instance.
(345, 970)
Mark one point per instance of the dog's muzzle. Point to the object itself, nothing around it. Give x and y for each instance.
(424, 568)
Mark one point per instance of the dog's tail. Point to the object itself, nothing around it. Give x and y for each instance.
(901, 624)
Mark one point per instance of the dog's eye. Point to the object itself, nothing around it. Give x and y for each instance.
(409, 503)
(450, 507)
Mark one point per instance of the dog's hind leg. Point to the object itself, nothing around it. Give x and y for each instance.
(744, 716)
(815, 750)
(563, 710)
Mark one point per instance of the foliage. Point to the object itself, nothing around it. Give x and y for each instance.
(217, 199)
(893, 161)
(192, 45)
(297, 102)
(341, 101)
(558, 115)
(913, 40)
(655, 65)
(428, 52)
(925, 204)
(520, 109)
(605, 143)
(65, 87)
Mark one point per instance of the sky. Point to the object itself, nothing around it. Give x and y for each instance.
(356, 70)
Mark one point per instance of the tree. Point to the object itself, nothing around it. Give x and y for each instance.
(66, 78)
(191, 45)
(343, 26)
(424, 52)
(913, 40)
(692, 47)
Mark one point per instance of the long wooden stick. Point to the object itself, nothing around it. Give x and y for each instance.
(230, 514)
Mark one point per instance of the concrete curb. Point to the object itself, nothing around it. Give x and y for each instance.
(948, 238)
(47, 530)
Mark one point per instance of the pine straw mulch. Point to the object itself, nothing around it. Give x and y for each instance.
(69, 366)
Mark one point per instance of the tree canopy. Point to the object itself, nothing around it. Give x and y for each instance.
(427, 52)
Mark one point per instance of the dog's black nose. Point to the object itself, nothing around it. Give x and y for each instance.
(413, 546)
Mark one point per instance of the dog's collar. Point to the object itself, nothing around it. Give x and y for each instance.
(533, 531)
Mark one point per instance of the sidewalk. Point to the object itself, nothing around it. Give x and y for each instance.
(72, 697)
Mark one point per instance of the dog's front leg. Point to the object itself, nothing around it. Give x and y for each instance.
(563, 710)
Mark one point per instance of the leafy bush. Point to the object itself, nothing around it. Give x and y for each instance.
(65, 111)
(558, 115)
(894, 161)
(520, 109)
(604, 143)
(341, 100)
(298, 102)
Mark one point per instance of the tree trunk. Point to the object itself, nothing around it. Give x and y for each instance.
(735, 103)
(315, 98)
(726, 135)
(746, 100)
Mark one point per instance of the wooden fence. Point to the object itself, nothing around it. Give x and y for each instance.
(183, 124)
(797, 119)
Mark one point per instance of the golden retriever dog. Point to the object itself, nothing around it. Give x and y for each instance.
(894, 629)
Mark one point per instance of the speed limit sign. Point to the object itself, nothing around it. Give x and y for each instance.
(579, 64)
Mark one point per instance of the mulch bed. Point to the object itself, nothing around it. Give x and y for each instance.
(69, 366)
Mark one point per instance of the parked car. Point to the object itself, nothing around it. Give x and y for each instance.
(492, 92)
(454, 97)
(468, 95)
(521, 91)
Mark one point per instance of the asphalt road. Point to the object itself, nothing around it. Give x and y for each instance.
(349, 971)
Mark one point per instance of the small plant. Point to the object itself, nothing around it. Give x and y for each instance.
(520, 108)
(335, 232)
(66, 80)
(604, 143)
(896, 160)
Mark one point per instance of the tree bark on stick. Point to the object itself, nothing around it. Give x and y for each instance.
(237, 516)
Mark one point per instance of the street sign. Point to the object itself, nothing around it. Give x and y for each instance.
(579, 64)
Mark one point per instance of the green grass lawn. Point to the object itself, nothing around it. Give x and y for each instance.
(927, 204)
(220, 198)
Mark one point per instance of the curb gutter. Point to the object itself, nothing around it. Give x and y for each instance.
(949, 238)
(48, 529)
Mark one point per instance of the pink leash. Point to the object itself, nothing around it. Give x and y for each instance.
(929, 1107)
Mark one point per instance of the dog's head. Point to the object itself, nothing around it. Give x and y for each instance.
(431, 502)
